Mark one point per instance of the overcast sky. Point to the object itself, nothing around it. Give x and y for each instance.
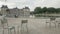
(31, 3)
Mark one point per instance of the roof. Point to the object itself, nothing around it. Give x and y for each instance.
(26, 7)
(4, 6)
(15, 8)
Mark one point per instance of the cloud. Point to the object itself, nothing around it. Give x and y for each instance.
(9, 4)
(32, 3)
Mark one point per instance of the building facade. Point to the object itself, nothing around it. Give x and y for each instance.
(3, 9)
(15, 12)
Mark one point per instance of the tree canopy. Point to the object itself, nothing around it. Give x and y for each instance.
(39, 10)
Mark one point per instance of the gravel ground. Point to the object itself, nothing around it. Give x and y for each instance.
(35, 26)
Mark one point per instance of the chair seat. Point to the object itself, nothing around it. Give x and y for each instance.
(10, 27)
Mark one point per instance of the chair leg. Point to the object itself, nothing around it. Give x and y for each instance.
(55, 25)
(18, 30)
(21, 28)
(46, 24)
(10, 32)
(58, 24)
(3, 28)
(27, 28)
(50, 25)
(14, 31)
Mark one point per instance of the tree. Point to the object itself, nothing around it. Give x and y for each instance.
(44, 9)
(37, 10)
(51, 10)
(58, 10)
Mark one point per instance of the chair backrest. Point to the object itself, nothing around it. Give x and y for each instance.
(52, 18)
(3, 20)
(11, 27)
(24, 21)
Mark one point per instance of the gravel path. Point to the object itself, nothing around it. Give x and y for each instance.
(35, 26)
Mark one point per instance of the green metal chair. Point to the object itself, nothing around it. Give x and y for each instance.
(24, 22)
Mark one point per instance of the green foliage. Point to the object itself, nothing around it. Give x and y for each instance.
(58, 10)
(50, 10)
(44, 10)
(37, 10)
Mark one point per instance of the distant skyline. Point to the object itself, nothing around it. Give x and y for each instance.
(31, 3)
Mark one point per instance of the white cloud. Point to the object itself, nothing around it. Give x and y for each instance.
(9, 4)
(32, 3)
